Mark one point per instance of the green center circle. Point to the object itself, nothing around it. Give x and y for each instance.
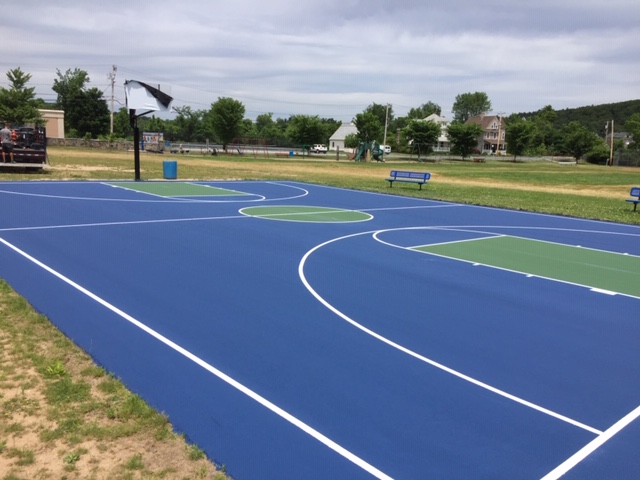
(297, 213)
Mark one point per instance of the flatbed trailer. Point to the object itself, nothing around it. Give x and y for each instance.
(29, 149)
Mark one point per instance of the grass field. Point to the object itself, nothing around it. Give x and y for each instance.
(62, 417)
(583, 190)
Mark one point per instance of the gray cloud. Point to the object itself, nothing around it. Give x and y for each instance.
(333, 58)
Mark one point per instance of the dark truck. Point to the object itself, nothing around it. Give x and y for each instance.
(29, 148)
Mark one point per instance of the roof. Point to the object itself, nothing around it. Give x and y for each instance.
(434, 117)
(486, 120)
(344, 130)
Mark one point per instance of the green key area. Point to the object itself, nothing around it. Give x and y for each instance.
(612, 272)
(297, 213)
(176, 189)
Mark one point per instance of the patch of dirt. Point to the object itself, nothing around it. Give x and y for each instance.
(26, 413)
(609, 191)
(88, 168)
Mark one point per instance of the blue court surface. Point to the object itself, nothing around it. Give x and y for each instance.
(308, 332)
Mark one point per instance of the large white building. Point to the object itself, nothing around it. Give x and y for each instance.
(336, 141)
(443, 144)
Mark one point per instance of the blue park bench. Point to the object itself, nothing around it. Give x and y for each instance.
(635, 194)
(411, 177)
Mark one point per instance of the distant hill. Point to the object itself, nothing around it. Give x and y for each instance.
(595, 117)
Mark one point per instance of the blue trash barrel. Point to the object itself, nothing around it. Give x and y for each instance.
(170, 169)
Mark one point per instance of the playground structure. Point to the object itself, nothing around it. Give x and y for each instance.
(252, 145)
(368, 150)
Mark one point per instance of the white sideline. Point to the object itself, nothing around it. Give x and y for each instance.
(221, 375)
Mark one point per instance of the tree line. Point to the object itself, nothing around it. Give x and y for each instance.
(578, 132)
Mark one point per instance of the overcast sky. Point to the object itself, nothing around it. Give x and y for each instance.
(333, 58)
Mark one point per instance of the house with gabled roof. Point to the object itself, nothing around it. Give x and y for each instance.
(336, 141)
(443, 144)
(493, 138)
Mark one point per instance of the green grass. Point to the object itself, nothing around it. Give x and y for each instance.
(585, 191)
(64, 401)
(496, 182)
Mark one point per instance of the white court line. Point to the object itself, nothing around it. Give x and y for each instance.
(132, 190)
(504, 269)
(112, 224)
(255, 198)
(416, 355)
(451, 242)
(320, 211)
(414, 207)
(218, 373)
(592, 446)
(603, 291)
(184, 198)
(600, 250)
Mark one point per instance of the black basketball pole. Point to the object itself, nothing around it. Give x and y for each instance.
(133, 119)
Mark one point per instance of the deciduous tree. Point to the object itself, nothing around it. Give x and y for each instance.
(578, 139)
(519, 136)
(422, 133)
(632, 126)
(383, 113)
(188, 125)
(469, 105)
(424, 110)
(545, 135)
(89, 113)
(226, 117)
(351, 140)
(306, 130)
(463, 137)
(86, 112)
(369, 127)
(122, 124)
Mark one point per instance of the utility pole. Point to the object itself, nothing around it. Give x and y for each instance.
(386, 122)
(112, 76)
(611, 148)
(499, 132)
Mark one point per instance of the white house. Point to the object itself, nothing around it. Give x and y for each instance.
(443, 144)
(336, 141)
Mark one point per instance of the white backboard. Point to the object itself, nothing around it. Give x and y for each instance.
(141, 96)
